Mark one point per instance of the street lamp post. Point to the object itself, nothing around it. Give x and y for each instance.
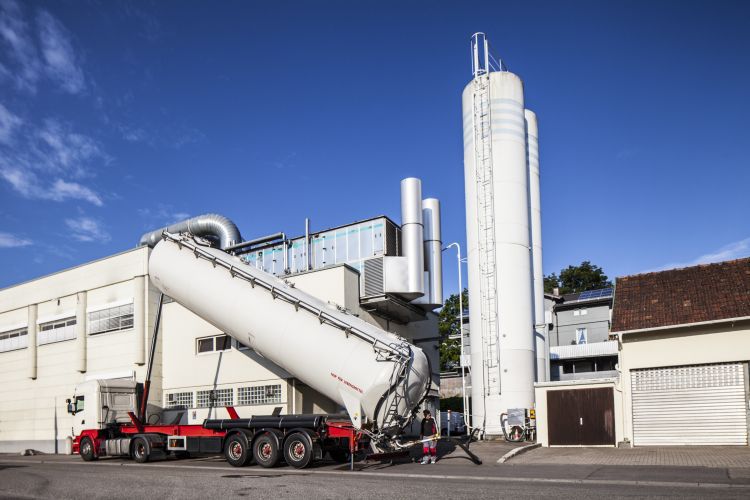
(467, 419)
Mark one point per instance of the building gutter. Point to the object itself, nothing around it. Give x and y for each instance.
(682, 325)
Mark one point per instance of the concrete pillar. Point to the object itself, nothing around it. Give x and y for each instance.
(31, 331)
(81, 331)
(139, 319)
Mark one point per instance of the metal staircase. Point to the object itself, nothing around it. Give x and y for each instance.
(486, 218)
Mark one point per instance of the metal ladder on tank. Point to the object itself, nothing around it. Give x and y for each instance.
(486, 223)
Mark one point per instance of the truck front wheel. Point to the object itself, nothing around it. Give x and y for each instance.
(266, 450)
(237, 450)
(86, 449)
(141, 449)
(298, 450)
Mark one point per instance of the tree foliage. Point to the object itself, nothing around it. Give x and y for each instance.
(448, 326)
(575, 279)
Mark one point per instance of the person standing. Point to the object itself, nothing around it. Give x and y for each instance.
(429, 434)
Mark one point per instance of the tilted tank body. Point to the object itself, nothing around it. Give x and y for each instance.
(375, 375)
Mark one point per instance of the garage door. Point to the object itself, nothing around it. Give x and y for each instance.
(581, 417)
(690, 405)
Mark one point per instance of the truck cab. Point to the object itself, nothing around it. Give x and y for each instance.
(99, 403)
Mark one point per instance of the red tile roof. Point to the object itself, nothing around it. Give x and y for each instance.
(680, 296)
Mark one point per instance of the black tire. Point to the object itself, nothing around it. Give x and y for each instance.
(237, 450)
(339, 455)
(298, 450)
(86, 450)
(140, 449)
(266, 450)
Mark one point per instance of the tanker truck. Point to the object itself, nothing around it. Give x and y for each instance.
(377, 377)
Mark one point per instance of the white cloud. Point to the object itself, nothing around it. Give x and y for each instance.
(42, 164)
(60, 58)
(8, 240)
(162, 215)
(14, 32)
(27, 184)
(8, 124)
(87, 229)
(735, 250)
(55, 57)
(62, 190)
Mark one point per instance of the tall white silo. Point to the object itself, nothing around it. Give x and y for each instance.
(535, 210)
(498, 243)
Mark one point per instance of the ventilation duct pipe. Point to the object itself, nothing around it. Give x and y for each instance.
(433, 255)
(213, 226)
(412, 235)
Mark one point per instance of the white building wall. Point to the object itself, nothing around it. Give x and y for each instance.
(719, 343)
(32, 412)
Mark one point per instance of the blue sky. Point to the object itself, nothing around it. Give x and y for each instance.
(119, 117)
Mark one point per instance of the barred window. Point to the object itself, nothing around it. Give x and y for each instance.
(14, 339)
(215, 343)
(57, 331)
(111, 320)
(259, 395)
(219, 397)
(180, 400)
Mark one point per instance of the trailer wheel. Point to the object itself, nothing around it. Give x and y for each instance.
(86, 450)
(266, 450)
(298, 450)
(140, 449)
(237, 450)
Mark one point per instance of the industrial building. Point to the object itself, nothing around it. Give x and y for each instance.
(683, 339)
(96, 321)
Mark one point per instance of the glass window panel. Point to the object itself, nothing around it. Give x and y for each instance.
(352, 243)
(223, 343)
(206, 345)
(366, 236)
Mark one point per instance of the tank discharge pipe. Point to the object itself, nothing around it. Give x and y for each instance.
(374, 374)
(214, 226)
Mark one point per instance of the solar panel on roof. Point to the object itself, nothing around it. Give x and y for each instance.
(595, 294)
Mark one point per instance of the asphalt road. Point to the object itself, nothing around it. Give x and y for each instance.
(69, 477)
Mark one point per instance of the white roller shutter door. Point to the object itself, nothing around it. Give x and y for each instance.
(689, 405)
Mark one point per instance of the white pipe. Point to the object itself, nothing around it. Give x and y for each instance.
(81, 323)
(139, 319)
(433, 255)
(412, 234)
(31, 331)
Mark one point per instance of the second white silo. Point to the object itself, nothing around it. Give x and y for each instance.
(535, 212)
(498, 248)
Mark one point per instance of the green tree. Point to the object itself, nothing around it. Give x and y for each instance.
(575, 279)
(448, 326)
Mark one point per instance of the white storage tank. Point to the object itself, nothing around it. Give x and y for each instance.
(535, 211)
(498, 248)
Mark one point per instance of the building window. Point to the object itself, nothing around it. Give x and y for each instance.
(580, 312)
(213, 344)
(582, 336)
(219, 397)
(111, 320)
(259, 395)
(180, 400)
(56, 331)
(14, 339)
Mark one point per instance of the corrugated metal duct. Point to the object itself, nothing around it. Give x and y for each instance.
(213, 226)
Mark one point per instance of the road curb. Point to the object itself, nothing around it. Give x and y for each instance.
(517, 451)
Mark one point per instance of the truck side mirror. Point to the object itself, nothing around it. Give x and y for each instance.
(70, 407)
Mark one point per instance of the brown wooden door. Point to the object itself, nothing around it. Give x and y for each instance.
(581, 417)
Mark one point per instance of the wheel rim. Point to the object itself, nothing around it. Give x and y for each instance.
(140, 450)
(265, 451)
(86, 447)
(235, 450)
(297, 449)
